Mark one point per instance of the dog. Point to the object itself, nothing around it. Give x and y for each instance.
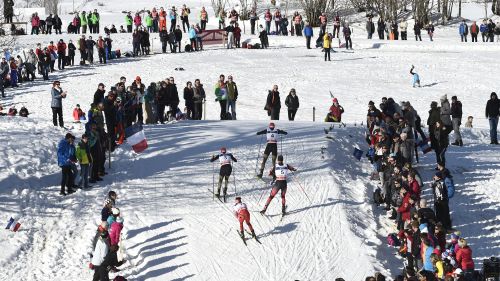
(468, 124)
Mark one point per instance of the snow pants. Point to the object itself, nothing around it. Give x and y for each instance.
(279, 185)
(244, 216)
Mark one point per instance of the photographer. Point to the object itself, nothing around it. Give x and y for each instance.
(57, 95)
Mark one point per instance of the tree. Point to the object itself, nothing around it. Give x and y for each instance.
(6, 36)
(314, 8)
(218, 5)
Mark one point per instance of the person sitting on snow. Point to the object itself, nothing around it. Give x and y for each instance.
(78, 114)
(335, 114)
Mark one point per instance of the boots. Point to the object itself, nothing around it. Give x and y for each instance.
(283, 210)
(455, 143)
(242, 235)
(263, 212)
(253, 234)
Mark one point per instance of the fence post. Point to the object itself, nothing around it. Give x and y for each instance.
(314, 114)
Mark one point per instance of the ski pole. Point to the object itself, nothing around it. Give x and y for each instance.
(213, 181)
(234, 180)
(258, 155)
(300, 185)
(281, 144)
(262, 194)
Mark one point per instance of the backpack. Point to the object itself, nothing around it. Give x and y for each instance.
(392, 240)
(377, 196)
(450, 186)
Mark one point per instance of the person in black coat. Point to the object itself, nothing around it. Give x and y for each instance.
(380, 28)
(99, 94)
(173, 97)
(171, 42)
(189, 99)
(273, 103)
(57, 24)
(492, 113)
(164, 39)
(263, 38)
(292, 102)
(417, 27)
(71, 52)
(163, 100)
(199, 98)
(442, 141)
(440, 192)
(110, 112)
(178, 37)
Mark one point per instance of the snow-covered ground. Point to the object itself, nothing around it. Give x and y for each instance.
(173, 228)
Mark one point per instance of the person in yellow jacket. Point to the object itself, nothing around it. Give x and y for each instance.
(83, 22)
(83, 156)
(327, 45)
(438, 266)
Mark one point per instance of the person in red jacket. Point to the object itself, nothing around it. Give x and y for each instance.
(404, 209)
(61, 54)
(464, 259)
(335, 113)
(241, 213)
(413, 185)
(101, 45)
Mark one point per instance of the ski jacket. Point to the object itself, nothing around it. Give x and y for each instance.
(403, 26)
(483, 28)
(224, 158)
(83, 20)
(164, 36)
(149, 21)
(463, 29)
(192, 33)
(61, 48)
(308, 31)
(456, 109)
(440, 191)
(83, 153)
(240, 209)
(492, 107)
(336, 112)
(137, 20)
(65, 151)
(178, 35)
(128, 20)
(100, 252)
(114, 232)
(292, 102)
(464, 258)
(474, 29)
(281, 171)
(346, 31)
(56, 98)
(199, 94)
(427, 251)
(326, 41)
(370, 27)
(441, 137)
(268, 16)
(220, 91)
(35, 21)
(204, 15)
(273, 100)
(405, 207)
(232, 91)
(189, 97)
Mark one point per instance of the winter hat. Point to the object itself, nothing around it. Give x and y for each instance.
(271, 125)
(335, 100)
(223, 150)
(454, 98)
(280, 157)
(115, 211)
(238, 199)
(444, 97)
(100, 84)
(423, 228)
(454, 236)
(493, 94)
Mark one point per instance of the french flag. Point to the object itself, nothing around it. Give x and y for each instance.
(136, 138)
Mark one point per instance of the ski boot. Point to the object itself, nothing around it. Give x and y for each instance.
(242, 235)
(283, 210)
(263, 212)
(259, 175)
(253, 234)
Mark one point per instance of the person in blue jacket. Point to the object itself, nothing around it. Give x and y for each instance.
(463, 29)
(483, 28)
(416, 77)
(308, 33)
(65, 155)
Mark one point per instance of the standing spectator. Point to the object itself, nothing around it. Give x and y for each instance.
(464, 259)
(162, 101)
(417, 27)
(221, 96)
(192, 37)
(90, 23)
(273, 103)
(57, 24)
(308, 33)
(149, 22)
(97, 20)
(199, 99)
(35, 24)
(347, 35)
(442, 141)
(430, 31)
(178, 39)
(173, 97)
(370, 27)
(8, 10)
(492, 113)
(324, 21)
(441, 200)
(233, 16)
(189, 100)
(264, 42)
(136, 42)
(237, 35)
(230, 36)
(185, 17)
(253, 19)
(13, 73)
(336, 26)
(456, 115)
(57, 95)
(128, 22)
(380, 28)
(292, 103)
(150, 104)
(164, 39)
(268, 17)
(137, 20)
(82, 46)
(474, 30)
(44, 62)
(172, 42)
(89, 47)
(71, 53)
(277, 20)
(403, 26)
(297, 24)
(483, 28)
(394, 30)
(4, 70)
(65, 156)
(49, 23)
(95, 150)
(173, 19)
(232, 96)
(101, 45)
(445, 112)
(327, 41)
(110, 113)
(61, 54)
(463, 30)
(154, 15)
(76, 24)
(83, 22)
(83, 157)
(108, 45)
(199, 40)
(162, 19)
(491, 30)
(99, 94)
(203, 18)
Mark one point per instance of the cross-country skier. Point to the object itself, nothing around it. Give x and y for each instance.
(280, 173)
(416, 77)
(225, 169)
(272, 145)
(241, 213)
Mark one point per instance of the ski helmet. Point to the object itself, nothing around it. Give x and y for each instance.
(222, 150)
(271, 125)
(280, 158)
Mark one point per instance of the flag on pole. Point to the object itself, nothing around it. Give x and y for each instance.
(136, 138)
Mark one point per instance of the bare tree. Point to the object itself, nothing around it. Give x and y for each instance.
(6, 32)
(51, 6)
(495, 7)
(314, 8)
(217, 5)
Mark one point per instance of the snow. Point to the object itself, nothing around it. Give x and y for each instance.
(173, 228)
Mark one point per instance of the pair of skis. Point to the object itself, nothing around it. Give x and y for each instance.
(221, 199)
(245, 239)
